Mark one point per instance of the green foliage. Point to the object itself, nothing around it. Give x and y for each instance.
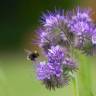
(84, 73)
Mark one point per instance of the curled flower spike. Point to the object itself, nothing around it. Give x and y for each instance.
(51, 19)
(55, 73)
(80, 22)
(70, 64)
(56, 54)
(54, 22)
(81, 25)
(47, 39)
(55, 58)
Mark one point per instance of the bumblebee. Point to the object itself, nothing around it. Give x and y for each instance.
(32, 55)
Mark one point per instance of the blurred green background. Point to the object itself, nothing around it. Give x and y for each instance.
(18, 21)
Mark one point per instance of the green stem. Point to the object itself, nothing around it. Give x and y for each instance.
(84, 76)
(75, 85)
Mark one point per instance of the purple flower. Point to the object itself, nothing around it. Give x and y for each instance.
(93, 38)
(69, 63)
(80, 22)
(55, 72)
(55, 69)
(58, 35)
(45, 39)
(53, 66)
(51, 19)
(56, 54)
(46, 70)
(43, 71)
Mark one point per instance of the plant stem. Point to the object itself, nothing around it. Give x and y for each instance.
(75, 85)
(84, 76)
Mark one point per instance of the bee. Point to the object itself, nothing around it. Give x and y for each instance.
(32, 55)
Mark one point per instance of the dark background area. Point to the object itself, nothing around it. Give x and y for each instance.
(20, 17)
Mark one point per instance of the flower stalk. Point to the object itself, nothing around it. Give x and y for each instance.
(75, 85)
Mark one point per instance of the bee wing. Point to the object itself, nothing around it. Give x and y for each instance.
(28, 52)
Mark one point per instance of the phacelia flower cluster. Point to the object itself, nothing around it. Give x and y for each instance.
(56, 70)
(80, 22)
(59, 33)
(54, 63)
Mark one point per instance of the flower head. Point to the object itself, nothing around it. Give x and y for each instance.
(51, 19)
(80, 22)
(56, 54)
(54, 64)
(45, 39)
(43, 71)
(69, 63)
(55, 73)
